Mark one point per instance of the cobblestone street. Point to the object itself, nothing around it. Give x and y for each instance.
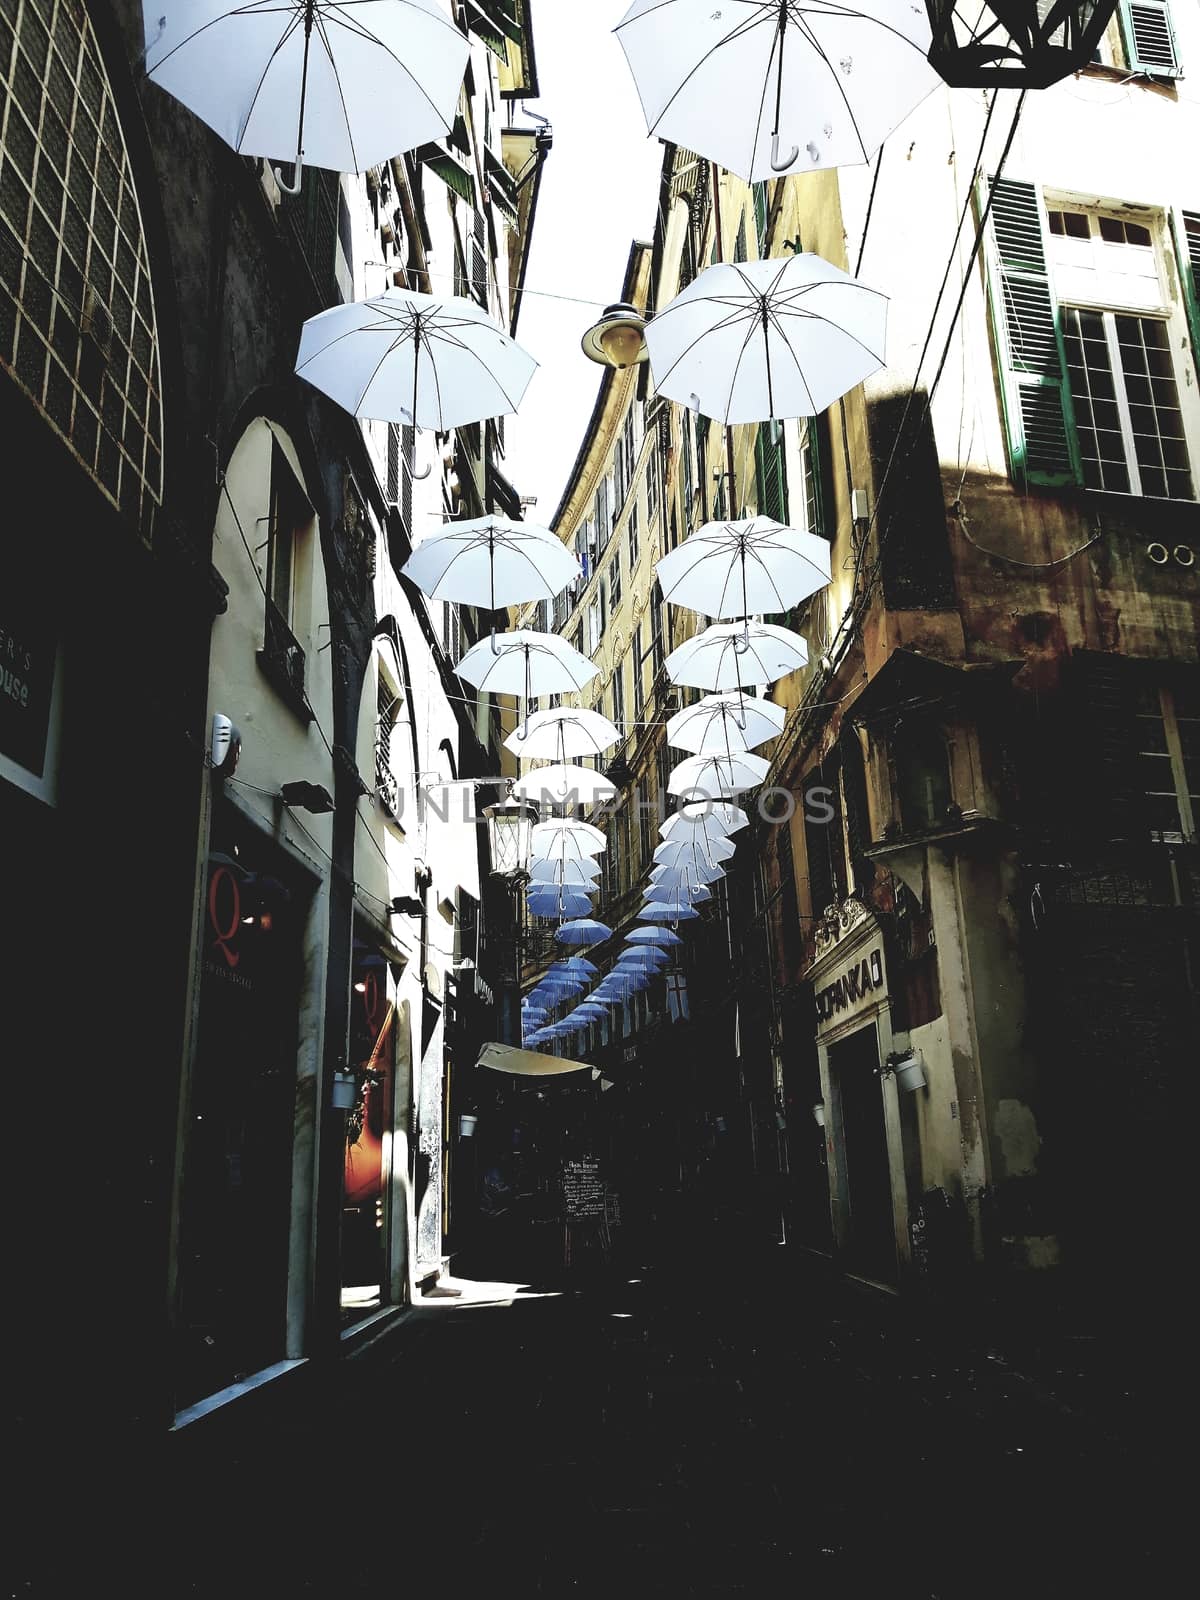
(663, 1430)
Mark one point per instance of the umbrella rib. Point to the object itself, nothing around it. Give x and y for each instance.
(396, 344)
(816, 316)
(790, 348)
(289, 29)
(459, 344)
(819, 48)
(213, 22)
(740, 28)
(737, 366)
(366, 33)
(761, 104)
(717, 327)
(337, 78)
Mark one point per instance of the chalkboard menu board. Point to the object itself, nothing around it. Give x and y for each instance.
(583, 1188)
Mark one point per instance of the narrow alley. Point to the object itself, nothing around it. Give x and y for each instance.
(670, 1430)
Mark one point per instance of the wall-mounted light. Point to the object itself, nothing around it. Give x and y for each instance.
(510, 835)
(616, 340)
(818, 1112)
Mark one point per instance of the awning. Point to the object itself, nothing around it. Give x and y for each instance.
(527, 1063)
(909, 679)
(447, 161)
(492, 20)
(502, 186)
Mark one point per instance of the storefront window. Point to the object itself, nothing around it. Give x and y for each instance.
(369, 1125)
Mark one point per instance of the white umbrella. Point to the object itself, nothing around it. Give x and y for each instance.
(722, 723)
(696, 850)
(580, 873)
(771, 86)
(553, 904)
(718, 776)
(730, 655)
(684, 888)
(585, 840)
(565, 786)
(341, 85)
(751, 565)
(493, 562)
(563, 731)
(504, 1058)
(750, 340)
(583, 931)
(525, 663)
(711, 817)
(426, 360)
(659, 936)
(668, 911)
(681, 881)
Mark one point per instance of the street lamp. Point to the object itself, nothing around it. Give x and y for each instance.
(510, 835)
(616, 340)
(1025, 44)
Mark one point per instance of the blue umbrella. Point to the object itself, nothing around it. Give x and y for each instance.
(655, 936)
(583, 931)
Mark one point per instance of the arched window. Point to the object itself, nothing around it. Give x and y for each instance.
(77, 324)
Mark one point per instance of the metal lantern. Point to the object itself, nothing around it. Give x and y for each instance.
(510, 833)
(1026, 44)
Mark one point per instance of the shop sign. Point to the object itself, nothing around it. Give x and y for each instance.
(859, 985)
(27, 653)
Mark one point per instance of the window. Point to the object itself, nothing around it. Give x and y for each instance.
(451, 633)
(577, 638)
(1127, 414)
(1149, 38)
(653, 480)
(388, 708)
(614, 583)
(639, 690)
(1086, 327)
(603, 513)
(618, 696)
(922, 770)
(761, 216)
(633, 539)
(1168, 738)
(811, 494)
(595, 623)
(657, 633)
(77, 316)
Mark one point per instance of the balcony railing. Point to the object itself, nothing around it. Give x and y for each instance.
(387, 788)
(282, 661)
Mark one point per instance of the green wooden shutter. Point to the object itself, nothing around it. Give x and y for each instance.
(761, 213)
(1185, 232)
(1037, 403)
(770, 475)
(1150, 45)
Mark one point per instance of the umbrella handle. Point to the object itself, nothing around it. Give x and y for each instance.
(776, 164)
(293, 188)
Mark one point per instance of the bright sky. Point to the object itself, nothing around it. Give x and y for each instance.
(599, 192)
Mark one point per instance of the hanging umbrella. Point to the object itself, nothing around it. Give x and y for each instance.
(563, 731)
(642, 956)
(694, 851)
(668, 911)
(554, 904)
(751, 340)
(688, 888)
(524, 663)
(342, 86)
(584, 839)
(737, 569)
(730, 655)
(425, 360)
(723, 723)
(565, 786)
(579, 873)
(683, 883)
(659, 936)
(583, 931)
(771, 86)
(492, 562)
(711, 817)
(718, 776)
(575, 967)
(504, 1058)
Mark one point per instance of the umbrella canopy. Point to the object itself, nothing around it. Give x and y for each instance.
(492, 562)
(525, 1063)
(693, 850)
(583, 931)
(577, 966)
(563, 731)
(425, 360)
(668, 911)
(565, 786)
(722, 723)
(735, 569)
(711, 817)
(585, 839)
(580, 873)
(340, 86)
(683, 883)
(718, 776)
(659, 936)
(642, 955)
(555, 904)
(733, 655)
(524, 663)
(771, 86)
(750, 340)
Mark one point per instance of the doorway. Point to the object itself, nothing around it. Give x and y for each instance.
(871, 1235)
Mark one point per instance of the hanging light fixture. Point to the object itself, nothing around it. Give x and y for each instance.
(616, 340)
(510, 830)
(1024, 44)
